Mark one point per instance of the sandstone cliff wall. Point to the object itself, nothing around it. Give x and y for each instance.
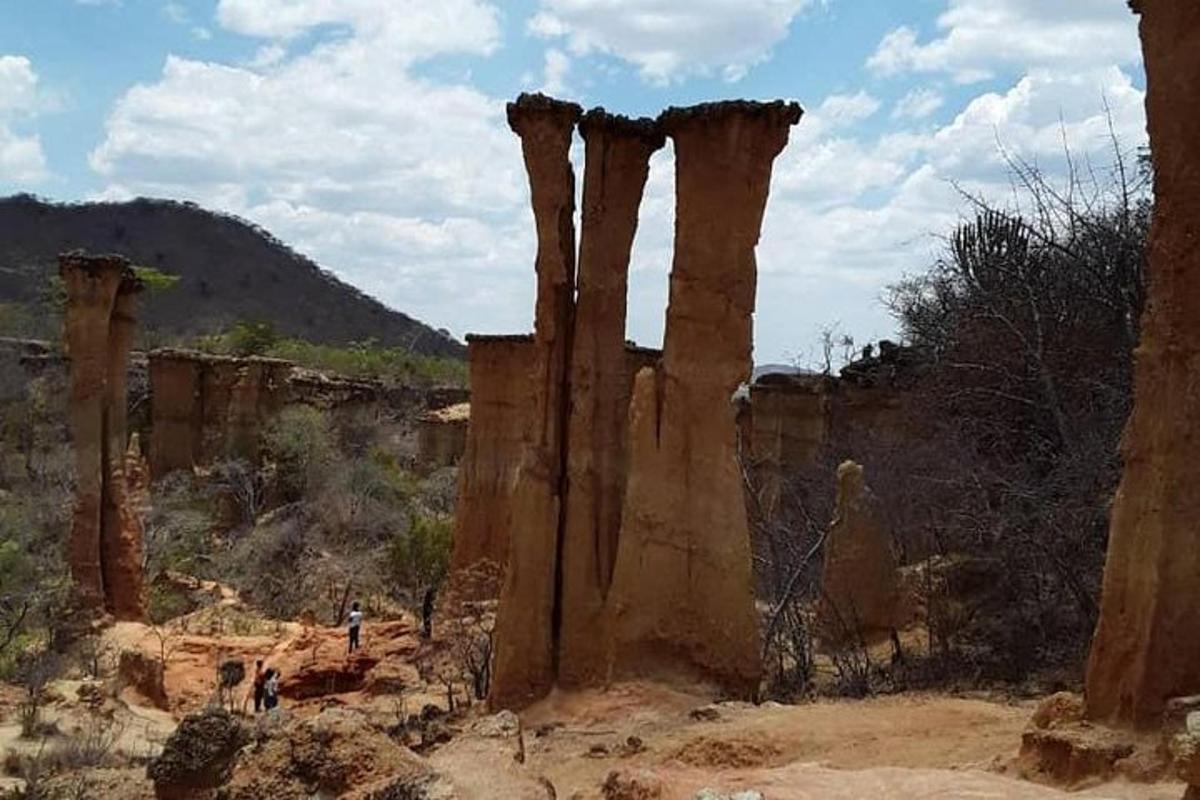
(499, 426)
(205, 408)
(1145, 648)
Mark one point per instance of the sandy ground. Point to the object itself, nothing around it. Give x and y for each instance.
(907, 746)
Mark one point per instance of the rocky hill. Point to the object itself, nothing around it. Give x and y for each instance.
(229, 270)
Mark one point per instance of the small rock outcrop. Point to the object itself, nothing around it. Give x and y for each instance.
(1145, 649)
(442, 435)
(104, 549)
(335, 754)
(199, 756)
(1185, 752)
(860, 580)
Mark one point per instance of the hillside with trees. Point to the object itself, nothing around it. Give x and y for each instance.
(229, 270)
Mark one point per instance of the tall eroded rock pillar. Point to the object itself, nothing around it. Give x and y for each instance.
(91, 284)
(525, 627)
(1146, 649)
(682, 598)
(104, 545)
(121, 528)
(617, 164)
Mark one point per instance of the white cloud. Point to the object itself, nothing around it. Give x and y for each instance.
(22, 161)
(668, 40)
(557, 65)
(113, 3)
(416, 27)
(175, 12)
(409, 188)
(852, 212)
(978, 37)
(918, 104)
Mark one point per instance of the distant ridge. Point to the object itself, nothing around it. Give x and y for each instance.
(230, 270)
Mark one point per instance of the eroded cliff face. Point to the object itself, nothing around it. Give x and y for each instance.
(617, 164)
(205, 408)
(1145, 648)
(499, 426)
(525, 658)
(442, 436)
(859, 581)
(682, 600)
(104, 545)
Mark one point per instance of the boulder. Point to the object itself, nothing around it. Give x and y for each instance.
(1058, 710)
(632, 785)
(199, 756)
(335, 754)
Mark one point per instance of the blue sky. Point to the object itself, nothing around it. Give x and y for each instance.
(369, 134)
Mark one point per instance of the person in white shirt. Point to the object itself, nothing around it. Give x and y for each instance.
(356, 618)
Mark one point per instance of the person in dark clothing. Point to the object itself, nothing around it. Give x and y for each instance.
(271, 690)
(260, 681)
(427, 612)
(356, 618)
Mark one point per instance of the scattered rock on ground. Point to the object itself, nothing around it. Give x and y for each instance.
(1063, 708)
(632, 785)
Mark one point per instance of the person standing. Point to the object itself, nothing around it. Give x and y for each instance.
(356, 618)
(259, 685)
(427, 612)
(271, 690)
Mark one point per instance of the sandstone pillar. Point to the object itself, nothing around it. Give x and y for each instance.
(105, 543)
(91, 284)
(121, 529)
(498, 427)
(682, 598)
(617, 163)
(859, 581)
(525, 647)
(1146, 649)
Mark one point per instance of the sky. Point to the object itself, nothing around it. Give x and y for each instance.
(370, 134)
